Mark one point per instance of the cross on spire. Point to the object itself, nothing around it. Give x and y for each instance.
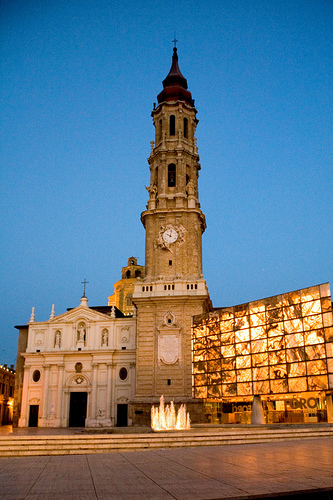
(84, 286)
(175, 41)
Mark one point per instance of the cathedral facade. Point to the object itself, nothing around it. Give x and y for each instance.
(106, 366)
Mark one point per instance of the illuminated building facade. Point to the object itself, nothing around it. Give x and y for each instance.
(7, 384)
(279, 348)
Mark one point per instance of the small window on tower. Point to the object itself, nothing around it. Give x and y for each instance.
(185, 126)
(128, 274)
(172, 125)
(171, 175)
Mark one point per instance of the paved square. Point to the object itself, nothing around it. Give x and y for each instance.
(203, 473)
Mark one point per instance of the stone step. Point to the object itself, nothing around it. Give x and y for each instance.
(106, 443)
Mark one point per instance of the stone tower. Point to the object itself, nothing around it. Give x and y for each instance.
(173, 289)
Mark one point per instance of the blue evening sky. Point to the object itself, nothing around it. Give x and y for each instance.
(78, 82)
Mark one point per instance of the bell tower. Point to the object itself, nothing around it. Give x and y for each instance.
(173, 289)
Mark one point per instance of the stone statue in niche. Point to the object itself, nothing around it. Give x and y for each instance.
(190, 188)
(105, 336)
(81, 332)
(57, 339)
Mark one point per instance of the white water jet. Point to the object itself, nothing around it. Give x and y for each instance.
(167, 418)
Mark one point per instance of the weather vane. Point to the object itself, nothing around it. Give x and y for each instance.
(84, 286)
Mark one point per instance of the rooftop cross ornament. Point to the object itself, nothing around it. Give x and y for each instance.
(175, 41)
(84, 286)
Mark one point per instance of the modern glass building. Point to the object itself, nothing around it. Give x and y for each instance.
(279, 348)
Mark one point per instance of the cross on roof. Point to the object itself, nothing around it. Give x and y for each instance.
(84, 286)
(175, 41)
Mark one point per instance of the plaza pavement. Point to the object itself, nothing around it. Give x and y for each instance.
(291, 469)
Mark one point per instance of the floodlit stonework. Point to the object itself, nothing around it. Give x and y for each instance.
(79, 369)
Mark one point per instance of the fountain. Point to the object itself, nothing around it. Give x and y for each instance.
(167, 418)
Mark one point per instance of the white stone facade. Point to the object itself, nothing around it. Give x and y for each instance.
(81, 351)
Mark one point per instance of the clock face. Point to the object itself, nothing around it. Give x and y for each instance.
(170, 235)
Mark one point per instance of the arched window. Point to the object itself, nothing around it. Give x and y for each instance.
(172, 125)
(137, 273)
(185, 127)
(171, 175)
(128, 274)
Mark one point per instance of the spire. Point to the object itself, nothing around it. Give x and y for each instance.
(175, 84)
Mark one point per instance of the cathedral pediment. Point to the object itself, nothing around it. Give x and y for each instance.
(80, 312)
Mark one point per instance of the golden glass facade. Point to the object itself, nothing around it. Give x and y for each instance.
(282, 344)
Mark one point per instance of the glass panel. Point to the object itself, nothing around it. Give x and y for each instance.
(296, 354)
(312, 307)
(279, 385)
(227, 338)
(242, 323)
(227, 326)
(200, 379)
(293, 325)
(229, 390)
(329, 350)
(214, 378)
(274, 302)
(260, 359)
(260, 373)
(330, 365)
(325, 290)
(318, 382)
(228, 377)
(277, 357)
(257, 306)
(311, 293)
(276, 343)
(244, 375)
(213, 352)
(294, 340)
(311, 322)
(228, 363)
(313, 337)
(331, 381)
(275, 329)
(326, 305)
(261, 387)
(298, 385)
(200, 392)
(297, 370)
(214, 365)
(214, 391)
(242, 335)
(328, 334)
(258, 333)
(315, 351)
(241, 310)
(259, 346)
(199, 355)
(228, 350)
(317, 367)
(291, 298)
(292, 312)
(257, 319)
(274, 315)
(278, 371)
(244, 389)
(199, 367)
(328, 319)
(243, 348)
(243, 362)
